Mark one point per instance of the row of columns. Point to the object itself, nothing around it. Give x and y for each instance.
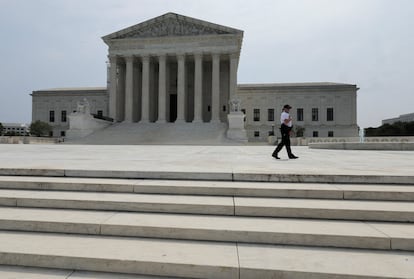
(162, 90)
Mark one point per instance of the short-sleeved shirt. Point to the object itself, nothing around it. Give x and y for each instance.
(284, 116)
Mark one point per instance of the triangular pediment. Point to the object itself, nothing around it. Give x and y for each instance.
(171, 25)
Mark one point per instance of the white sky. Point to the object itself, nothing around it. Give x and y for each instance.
(370, 43)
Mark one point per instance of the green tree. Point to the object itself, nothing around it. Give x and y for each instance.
(1, 129)
(395, 129)
(39, 128)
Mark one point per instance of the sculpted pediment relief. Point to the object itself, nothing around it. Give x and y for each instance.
(172, 25)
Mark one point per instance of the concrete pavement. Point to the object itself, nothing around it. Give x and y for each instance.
(226, 162)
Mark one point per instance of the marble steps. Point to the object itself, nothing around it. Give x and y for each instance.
(198, 259)
(281, 231)
(391, 211)
(24, 272)
(214, 188)
(205, 229)
(235, 175)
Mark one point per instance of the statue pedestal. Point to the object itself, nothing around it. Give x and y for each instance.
(83, 124)
(236, 129)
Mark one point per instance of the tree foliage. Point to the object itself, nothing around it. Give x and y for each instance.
(39, 128)
(395, 129)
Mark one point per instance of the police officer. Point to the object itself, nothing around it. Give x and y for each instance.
(285, 129)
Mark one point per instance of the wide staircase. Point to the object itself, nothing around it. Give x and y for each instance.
(74, 227)
(159, 133)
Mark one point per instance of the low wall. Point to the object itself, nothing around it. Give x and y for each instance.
(28, 140)
(406, 146)
(308, 141)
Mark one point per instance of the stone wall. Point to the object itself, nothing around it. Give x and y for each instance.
(28, 140)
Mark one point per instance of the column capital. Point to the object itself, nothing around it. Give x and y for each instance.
(129, 58)
(145, 58)
(112, 58)
(198, 55)
(234, 55)
(180, 56)
(215, 55)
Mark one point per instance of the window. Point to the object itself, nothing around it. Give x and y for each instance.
(315, 134)
(52, 116)
(330, 134)
(256, 114)
(299, 112)
(100, 113)
(329, 114)
(51, 134)
(315, 116)
(63, 116)
(244, 112)
(270, 114)
(256, 134)
(62, 133)
(224, 108)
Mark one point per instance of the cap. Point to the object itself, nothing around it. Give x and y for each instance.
(287, 107)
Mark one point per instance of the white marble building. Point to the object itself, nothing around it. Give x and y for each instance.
(321, 109)
(54, 106)
(177, 69)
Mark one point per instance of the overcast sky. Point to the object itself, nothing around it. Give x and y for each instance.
(370, 43)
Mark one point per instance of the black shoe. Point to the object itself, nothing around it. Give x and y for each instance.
(275, 156)
(293, 157)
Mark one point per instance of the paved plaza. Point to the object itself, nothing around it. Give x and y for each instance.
(190, 213)
(211, 159)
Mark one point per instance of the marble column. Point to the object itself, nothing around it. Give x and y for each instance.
(234, 62)
(162, 90)
(129, 104)
(198, 88)
(113, 60)
(145, 89)
(180, 89)
(215, 88)
(120, 94)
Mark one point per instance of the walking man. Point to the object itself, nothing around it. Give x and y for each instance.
(285, 129)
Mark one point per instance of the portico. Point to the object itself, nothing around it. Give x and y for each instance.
(172, 69)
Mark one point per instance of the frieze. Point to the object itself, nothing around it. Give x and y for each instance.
(172, 27)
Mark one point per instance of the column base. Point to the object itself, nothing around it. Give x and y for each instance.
(197, 121)
(180, 121)
(161, 121)
(144, 121)
(215, 121)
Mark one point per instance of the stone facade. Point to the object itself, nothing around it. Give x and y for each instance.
(172, 69)
(322, 109)
(54, 106)
(177, 69)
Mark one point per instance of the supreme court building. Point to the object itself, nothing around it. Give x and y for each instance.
(177, 69)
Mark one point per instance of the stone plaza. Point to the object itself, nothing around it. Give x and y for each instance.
(147, 211)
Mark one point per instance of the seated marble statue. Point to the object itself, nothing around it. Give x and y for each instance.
(83, 107)
(235, 105)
